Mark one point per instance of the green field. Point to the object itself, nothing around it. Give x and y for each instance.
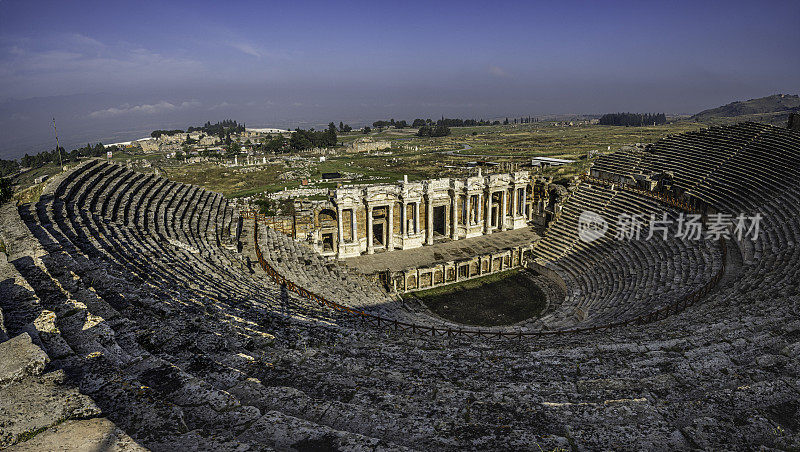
(436, 157)
(229, 181)
(501, 144)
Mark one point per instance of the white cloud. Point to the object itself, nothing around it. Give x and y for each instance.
(497, 71)
(50, 67)
(223, 104)
(145, 109)
(246, 48)
(85, 41)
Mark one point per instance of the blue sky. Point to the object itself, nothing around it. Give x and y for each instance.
(113, 70)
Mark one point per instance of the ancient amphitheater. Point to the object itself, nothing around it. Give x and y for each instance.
(136, 312)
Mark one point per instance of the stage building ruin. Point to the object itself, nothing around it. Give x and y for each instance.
(367, 219)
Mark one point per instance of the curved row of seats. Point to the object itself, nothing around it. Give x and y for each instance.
(309, 270)
(145, 323)
(153, 315)
(615, 277)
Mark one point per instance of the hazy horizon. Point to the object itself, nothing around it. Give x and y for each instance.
(115, 72)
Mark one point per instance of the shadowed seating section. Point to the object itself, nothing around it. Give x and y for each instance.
(615, 278)
(148, 328)
(306, 268)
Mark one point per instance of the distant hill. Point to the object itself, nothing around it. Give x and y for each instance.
(773, 109)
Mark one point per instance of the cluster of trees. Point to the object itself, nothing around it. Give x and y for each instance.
(344, 128)
(525, 120)
(45, 157)
(439, 130)
(446, 122)
(457, 122)
(453, 122)
(157, 133)
(633, 119)
(390, 123)
(6, 190)
(220, 129)
(307, 139)
(274, 144)
(8, 167)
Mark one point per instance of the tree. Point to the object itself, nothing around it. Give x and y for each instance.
(382, 124)
(233, 148)
(300, 140)
(440, 130)
(633, 119)
(275, 144)
(6, 190)
(8, 167)
(367, 130)
(330, 135)
(157, 133)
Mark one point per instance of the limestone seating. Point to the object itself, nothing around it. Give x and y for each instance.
(110, 350)
(720, 375)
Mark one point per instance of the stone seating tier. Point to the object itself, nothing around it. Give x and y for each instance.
(180, 344)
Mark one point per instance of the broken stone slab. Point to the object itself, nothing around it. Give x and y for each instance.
(38, 403)
(49, 336)
(87, 435)
(20, 358)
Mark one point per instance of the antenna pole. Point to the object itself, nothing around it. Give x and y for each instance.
(58, 147)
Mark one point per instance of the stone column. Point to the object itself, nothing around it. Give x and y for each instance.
(487, 217)
(403, 221)
(353, 226)
(339, 229)
(454, 217)
(429, 221)
(390, 228)
(467, 211)
(479, 209)
(370, 248)
(515, 202)
(501, 221)
(415, 220)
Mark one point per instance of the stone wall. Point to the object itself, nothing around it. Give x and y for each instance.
(440, 274)
(412, 214)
